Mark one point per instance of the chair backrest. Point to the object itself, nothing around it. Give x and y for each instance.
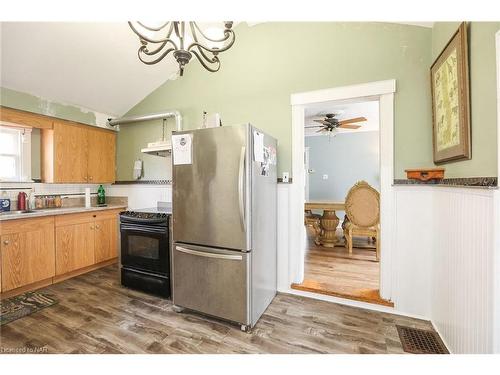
(362, 205)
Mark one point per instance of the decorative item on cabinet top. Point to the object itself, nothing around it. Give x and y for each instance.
(425, 174)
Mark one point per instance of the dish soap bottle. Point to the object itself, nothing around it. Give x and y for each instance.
(101, 196)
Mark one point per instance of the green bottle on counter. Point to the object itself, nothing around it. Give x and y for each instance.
(101, 196)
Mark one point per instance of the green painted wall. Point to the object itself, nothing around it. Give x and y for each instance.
(270, 61)
(36, 104)
(482, 67)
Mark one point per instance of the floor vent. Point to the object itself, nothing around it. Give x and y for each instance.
(419, 341)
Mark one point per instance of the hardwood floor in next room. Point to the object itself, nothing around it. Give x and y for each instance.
(332, 271)
(96, 315)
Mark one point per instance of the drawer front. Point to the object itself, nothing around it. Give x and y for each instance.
(25, 225)
(212, 281)
(86, 217)
(74, 219)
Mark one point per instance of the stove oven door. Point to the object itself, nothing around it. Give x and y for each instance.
(145, 248)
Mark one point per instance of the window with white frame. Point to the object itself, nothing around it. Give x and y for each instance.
(15, 154)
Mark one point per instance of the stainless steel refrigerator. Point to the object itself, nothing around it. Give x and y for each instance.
(224, 222)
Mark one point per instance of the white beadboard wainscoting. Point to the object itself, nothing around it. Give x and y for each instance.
(446, 262)
(413, 242)
(463, 271)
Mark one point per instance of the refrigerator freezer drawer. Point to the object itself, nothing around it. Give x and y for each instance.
(212, 281)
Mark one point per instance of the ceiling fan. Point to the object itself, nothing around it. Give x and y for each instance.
(329, 123)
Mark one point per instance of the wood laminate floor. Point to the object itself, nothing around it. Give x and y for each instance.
(333, 271)
(96, 315)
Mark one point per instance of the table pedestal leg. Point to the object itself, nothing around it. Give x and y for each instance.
(329, 223)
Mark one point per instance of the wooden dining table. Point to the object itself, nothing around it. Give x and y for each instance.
(326, 236)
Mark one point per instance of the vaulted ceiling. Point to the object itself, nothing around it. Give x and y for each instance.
(93, 65)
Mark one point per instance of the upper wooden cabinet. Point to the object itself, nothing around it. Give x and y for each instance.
(75, 153)
(101, 155)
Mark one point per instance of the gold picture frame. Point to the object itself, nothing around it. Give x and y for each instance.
(451, 130)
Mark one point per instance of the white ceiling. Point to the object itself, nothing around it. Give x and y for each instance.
(92, 65)
(346, 110)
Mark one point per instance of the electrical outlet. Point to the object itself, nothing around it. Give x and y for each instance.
(285, 176)
(325, 177)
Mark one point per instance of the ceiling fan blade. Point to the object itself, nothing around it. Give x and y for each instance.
(351, 120)
(322, 122)
(313, 126)
(320, 130)
(347, 126)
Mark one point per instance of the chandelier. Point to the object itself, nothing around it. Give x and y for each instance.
(172, 37)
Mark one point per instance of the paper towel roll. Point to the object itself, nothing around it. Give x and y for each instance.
(87, 197)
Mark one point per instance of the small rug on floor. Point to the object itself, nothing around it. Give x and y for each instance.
(25, 304)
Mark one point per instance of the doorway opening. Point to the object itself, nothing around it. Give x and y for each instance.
(343, 194)
(342, 158)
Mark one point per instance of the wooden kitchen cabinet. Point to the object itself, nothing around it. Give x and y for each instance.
(37, 252)
(76, 153)
(70, 153)
(27, 252)
(85, 239)
(106, 239)
(101, 155)
(74, 247)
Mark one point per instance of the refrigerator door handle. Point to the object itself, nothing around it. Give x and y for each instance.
(208, 255)
(241, 184)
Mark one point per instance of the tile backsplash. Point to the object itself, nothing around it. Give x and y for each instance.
(13, 189)
(139, 196)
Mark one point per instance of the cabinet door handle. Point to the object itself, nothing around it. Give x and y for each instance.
(85, 178)
(6, 242)
(90, 178)
(97, 226)
(91, 227)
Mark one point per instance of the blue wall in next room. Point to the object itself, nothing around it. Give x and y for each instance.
(346, 159)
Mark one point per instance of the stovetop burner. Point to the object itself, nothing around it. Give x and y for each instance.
(144, 215)
(147, 215)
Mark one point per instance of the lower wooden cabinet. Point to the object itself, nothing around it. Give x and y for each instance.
(85, 239)
(39, 251)
(74, 247)
(27, 252)
(106, 239)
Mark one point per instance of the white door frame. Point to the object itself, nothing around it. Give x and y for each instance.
(307, 167)
(384, 92)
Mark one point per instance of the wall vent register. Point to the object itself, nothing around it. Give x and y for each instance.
(420, 341)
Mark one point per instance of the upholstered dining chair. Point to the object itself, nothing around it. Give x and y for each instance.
(362, 208)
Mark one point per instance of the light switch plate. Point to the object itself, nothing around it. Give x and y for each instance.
(285, 176)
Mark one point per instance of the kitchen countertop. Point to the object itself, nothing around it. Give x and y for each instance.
(58, 211)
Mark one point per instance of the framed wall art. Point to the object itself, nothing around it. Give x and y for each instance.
(450, 100)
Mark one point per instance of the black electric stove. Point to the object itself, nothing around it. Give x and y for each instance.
(145, 249)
